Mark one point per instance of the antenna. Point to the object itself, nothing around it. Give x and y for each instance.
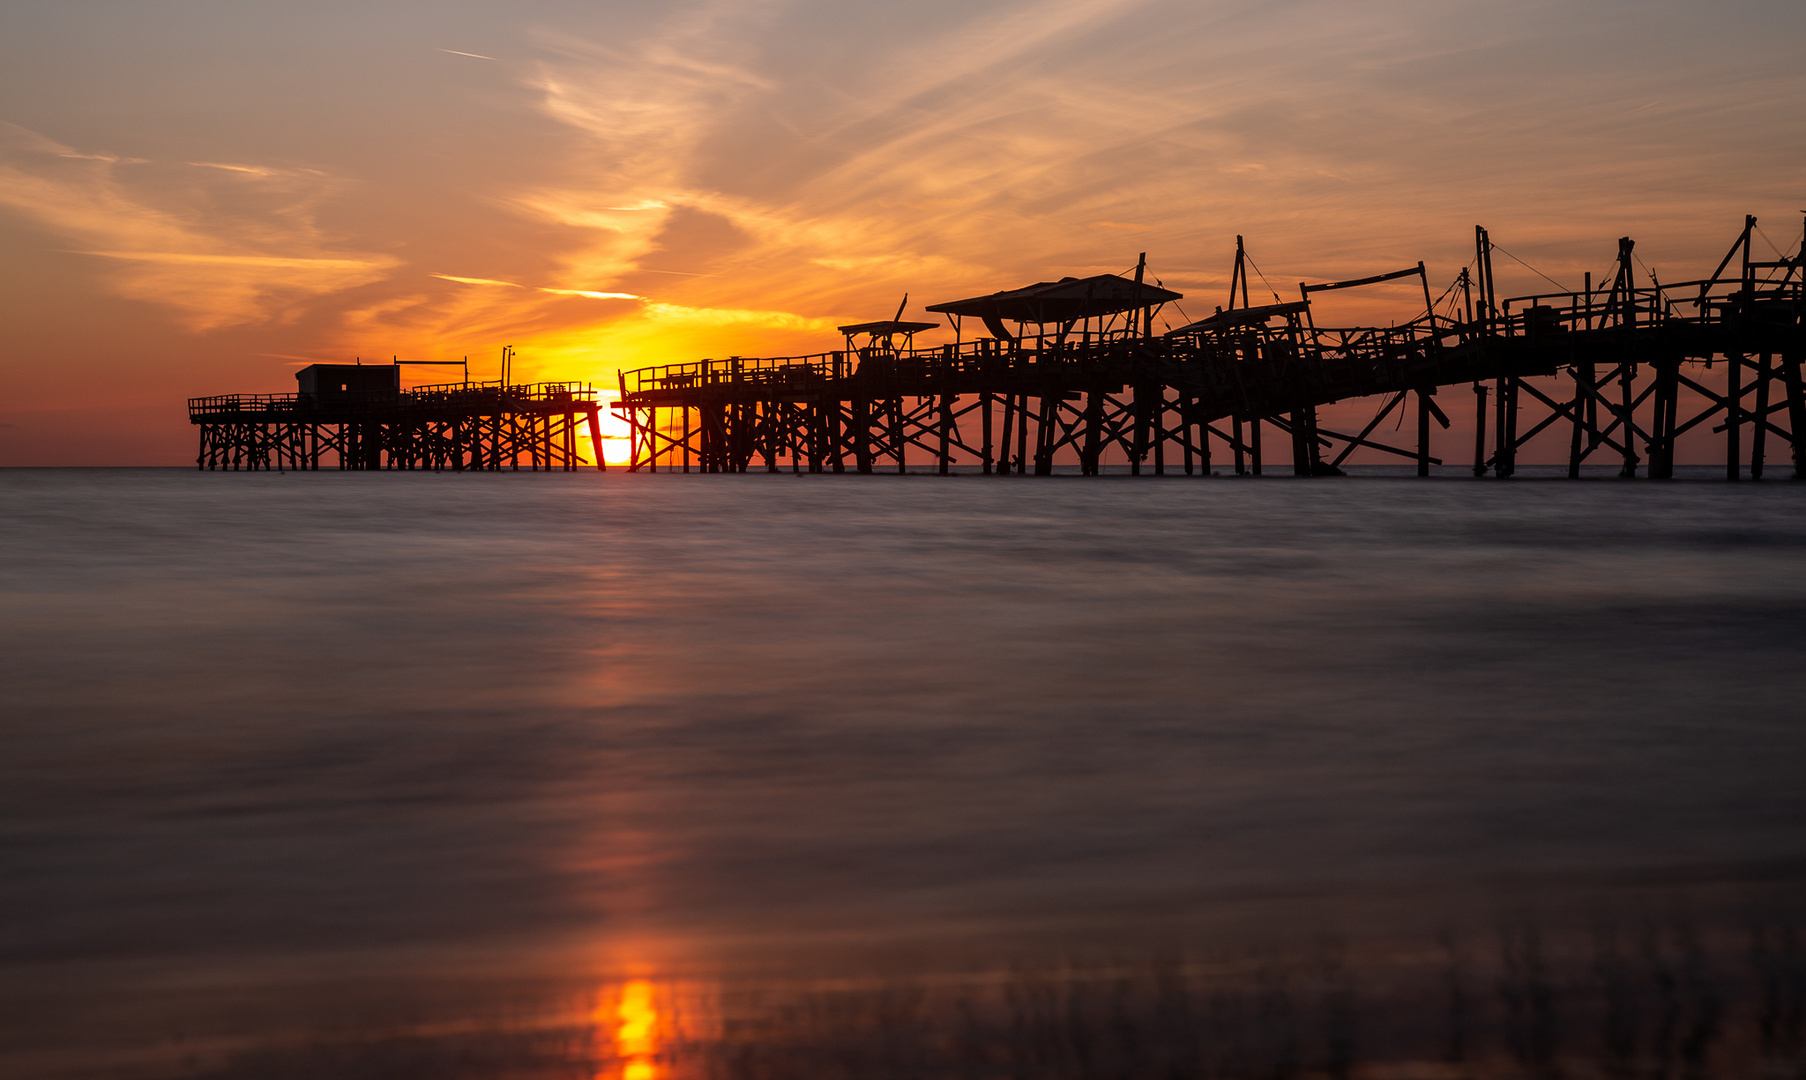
(1237, 275)
(1141, 269)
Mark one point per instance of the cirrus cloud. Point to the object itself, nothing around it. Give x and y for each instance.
(217, 257)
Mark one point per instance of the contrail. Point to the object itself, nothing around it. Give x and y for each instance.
(477, 56)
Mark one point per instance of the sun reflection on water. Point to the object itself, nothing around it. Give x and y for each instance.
(634, 1021)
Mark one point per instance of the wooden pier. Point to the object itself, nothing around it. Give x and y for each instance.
(358, 417)
(1620, 369)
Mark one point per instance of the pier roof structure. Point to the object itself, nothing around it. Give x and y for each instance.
(1068, 300)
(886, 327)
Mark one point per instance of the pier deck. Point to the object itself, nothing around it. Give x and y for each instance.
(1623, 370)
(457, 426)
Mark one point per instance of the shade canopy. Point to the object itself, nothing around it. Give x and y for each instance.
(1248, 316)
(888, 326)
(1066, 300)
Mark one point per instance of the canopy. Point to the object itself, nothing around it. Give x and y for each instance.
(1247, 316)
(888, 326)
(1066, 300)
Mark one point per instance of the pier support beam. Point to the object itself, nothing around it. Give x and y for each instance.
(1479, 428)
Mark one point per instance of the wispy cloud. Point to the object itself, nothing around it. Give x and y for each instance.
(592, 294)
(1001, 143)
(250, 170)
(779, 320)
(175, 244)
(891, 187)
(1012, 140)
(479, 281)
(236, 262)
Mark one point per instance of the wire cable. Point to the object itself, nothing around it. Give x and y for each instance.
(1263, 277)
(1770, 243)
(1533, 269)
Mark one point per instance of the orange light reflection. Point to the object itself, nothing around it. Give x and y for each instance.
(634, 1021)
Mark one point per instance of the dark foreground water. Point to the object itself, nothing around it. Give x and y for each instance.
(636, 777)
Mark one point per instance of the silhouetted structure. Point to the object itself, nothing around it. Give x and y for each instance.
(1619, 367)
(358, 417)
(338, 384)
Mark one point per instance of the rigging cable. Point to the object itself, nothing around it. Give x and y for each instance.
(1445, 293)
(1263, 278)
(1533, 269)
(1770, 243)
(1454, 305)
(1188, 319)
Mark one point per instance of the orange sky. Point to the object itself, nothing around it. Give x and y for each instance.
(199, 197)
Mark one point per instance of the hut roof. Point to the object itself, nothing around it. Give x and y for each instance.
(1065, 300)
(889, 326)
(1247, 316)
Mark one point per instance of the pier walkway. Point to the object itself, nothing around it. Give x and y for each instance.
(1621, 370)
(345, 420)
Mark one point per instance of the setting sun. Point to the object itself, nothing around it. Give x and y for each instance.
(616, 431)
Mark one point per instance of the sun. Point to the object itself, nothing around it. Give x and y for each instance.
(616, 432)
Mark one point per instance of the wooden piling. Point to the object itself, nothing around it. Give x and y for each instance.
(1759, 432)
(1796, 411)
(1733, 407)
(1423, 432)
(984, 406)
(1479, 428)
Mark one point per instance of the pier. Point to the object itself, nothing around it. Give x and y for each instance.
(1613, 373)
(356, 416)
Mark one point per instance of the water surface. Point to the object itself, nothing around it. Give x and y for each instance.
(408, 774)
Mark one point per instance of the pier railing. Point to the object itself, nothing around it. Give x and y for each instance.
(1706, 302)
(983, 355)
(1621, 357)
(224, 404)
(475, 396)
(1718, 302)
(483, 426)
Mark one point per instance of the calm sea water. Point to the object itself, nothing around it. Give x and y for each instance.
(447, 775)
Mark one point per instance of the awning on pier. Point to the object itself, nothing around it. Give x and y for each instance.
(1248, 316)
(1063, 301)
(888, 326)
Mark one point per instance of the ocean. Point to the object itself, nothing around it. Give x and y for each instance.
(767, 776)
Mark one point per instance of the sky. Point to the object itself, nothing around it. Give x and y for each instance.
(201, 196)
